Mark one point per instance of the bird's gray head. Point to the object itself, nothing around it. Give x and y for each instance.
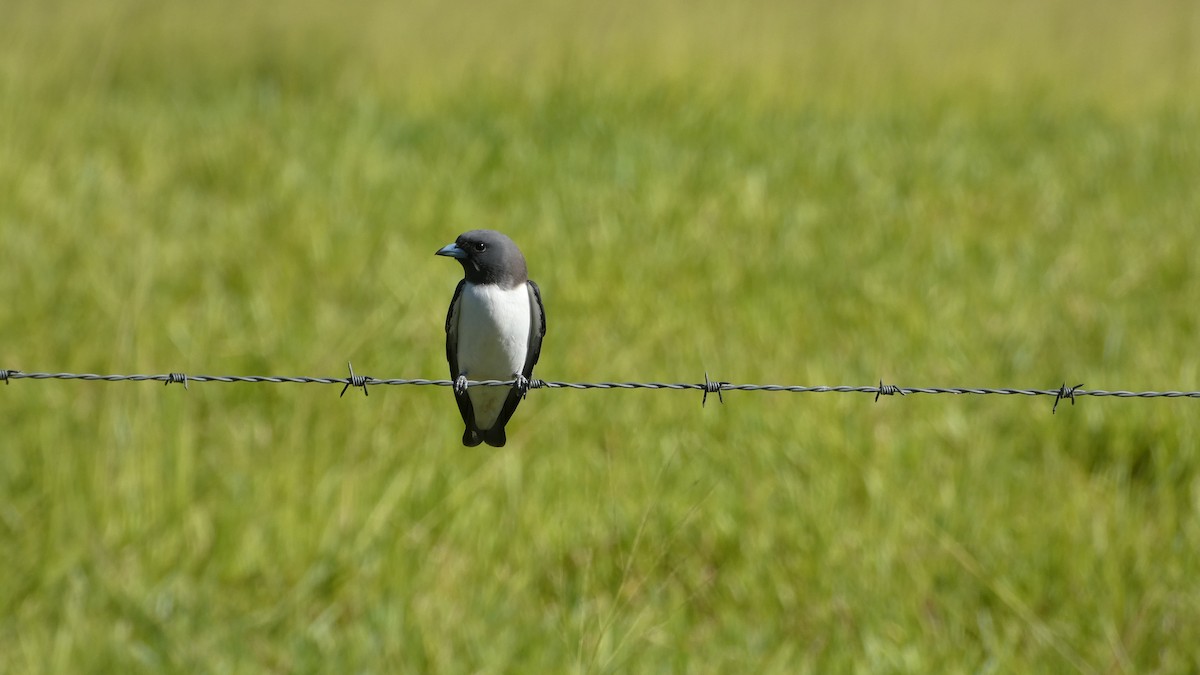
(488, 257)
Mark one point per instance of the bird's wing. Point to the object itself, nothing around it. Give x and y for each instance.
(452, 330)
(537, 329)
(464, 400)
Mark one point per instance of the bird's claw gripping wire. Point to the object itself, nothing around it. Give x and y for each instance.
(460, 385)
(522, 384)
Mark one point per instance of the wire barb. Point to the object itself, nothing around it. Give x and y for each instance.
(888, 390)
(1064, 392)
(355, 381)
(5, 373)
(711, 387)
(178, 378)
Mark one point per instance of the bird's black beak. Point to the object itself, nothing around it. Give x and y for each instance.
(452, 250)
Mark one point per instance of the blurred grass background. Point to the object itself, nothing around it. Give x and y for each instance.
(926, 192)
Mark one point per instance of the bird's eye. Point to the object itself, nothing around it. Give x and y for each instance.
(480, 246)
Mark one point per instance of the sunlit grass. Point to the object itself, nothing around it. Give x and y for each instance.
(916, 192)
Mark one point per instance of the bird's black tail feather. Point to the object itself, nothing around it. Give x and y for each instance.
(471, 437)
(495, 436)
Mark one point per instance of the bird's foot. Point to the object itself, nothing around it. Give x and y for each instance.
(460, 385)
(521, 384)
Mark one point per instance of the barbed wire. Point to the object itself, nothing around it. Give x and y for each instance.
(363, 382)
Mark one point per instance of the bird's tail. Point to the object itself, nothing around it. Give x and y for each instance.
(471, 437)
(495, 436)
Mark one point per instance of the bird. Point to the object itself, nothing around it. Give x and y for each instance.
(494, 331)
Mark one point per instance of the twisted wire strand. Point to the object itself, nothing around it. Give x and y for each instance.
(708, 386)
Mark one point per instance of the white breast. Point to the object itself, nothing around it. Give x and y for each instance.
(493, 340)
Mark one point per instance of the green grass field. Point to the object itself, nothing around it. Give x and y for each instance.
(927, 193)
